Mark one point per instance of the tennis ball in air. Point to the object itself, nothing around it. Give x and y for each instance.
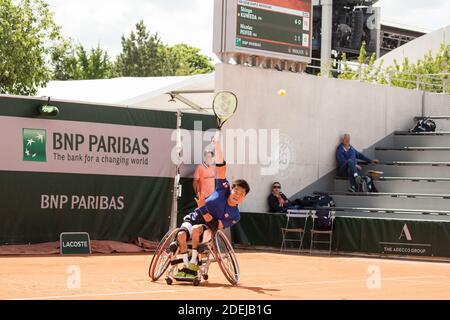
(281, 92)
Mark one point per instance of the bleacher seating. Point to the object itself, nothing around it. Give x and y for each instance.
(416, 177)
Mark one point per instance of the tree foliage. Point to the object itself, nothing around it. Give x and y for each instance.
(144, 55)
(70, 62)
(32, 52)
(431, 73)
(27, 31)
(189, 61)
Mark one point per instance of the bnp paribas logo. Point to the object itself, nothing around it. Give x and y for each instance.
(34, 141)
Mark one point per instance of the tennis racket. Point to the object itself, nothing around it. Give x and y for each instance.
(224, 106)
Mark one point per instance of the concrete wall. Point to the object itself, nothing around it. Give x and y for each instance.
(311, 118)
(417, 49)
(436, 104)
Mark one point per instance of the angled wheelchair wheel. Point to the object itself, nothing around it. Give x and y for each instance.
(161, 259)
(226, 258)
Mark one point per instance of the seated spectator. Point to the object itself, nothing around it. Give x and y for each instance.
(278, 202)
(347, 159)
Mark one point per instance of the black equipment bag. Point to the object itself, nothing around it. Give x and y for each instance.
(367, 185)
(324, 220)
(424, 125)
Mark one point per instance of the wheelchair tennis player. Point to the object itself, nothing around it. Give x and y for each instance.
(219, 211)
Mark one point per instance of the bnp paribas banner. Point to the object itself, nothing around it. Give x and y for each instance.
(102, 170)
(39, 145)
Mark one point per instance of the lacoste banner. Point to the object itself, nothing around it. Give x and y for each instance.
(102, 170)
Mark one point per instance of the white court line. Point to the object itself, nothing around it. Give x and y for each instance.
(115, 294)
(218, 288)
(362, 259)
(427, 282)
(395, 261)
(345, 281)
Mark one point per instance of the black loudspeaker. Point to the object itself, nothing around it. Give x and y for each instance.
(357, 29)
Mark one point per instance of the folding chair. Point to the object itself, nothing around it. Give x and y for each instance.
(314, 232)
(291, 215)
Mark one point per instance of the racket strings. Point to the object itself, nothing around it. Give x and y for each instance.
(224, 106)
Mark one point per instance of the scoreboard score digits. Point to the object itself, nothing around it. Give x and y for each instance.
(277, 29)
(264, 25)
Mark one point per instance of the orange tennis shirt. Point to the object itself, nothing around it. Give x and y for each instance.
(206, 176)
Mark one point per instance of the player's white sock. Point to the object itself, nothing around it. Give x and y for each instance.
(194, 256)
(185, 259)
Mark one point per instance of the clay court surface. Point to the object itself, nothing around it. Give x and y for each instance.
(263, 276)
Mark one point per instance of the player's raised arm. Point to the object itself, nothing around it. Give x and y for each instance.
(220, 161)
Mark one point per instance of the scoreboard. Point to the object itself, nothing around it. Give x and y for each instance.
(268, 27)
(279, 29)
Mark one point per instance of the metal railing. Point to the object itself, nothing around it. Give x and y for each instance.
(427, 82)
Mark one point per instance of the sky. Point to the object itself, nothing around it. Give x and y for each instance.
(103, 22)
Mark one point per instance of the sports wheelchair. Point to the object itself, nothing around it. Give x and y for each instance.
(213, 248)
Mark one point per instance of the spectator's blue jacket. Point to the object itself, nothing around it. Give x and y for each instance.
(352, 154)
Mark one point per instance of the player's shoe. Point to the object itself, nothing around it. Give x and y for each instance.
(193, 267)
(191, 271)
(181, 274)
(188, 273)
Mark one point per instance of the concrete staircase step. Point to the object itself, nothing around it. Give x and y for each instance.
(422, 140)
(432, 118)
(404, 203)
(406, 185)
(409, 169)
(396, 215)
(421, 154)
(386, 194)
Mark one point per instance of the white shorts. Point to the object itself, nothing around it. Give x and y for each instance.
(188, 226)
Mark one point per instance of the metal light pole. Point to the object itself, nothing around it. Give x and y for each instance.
(327, 32)
(176, 192)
